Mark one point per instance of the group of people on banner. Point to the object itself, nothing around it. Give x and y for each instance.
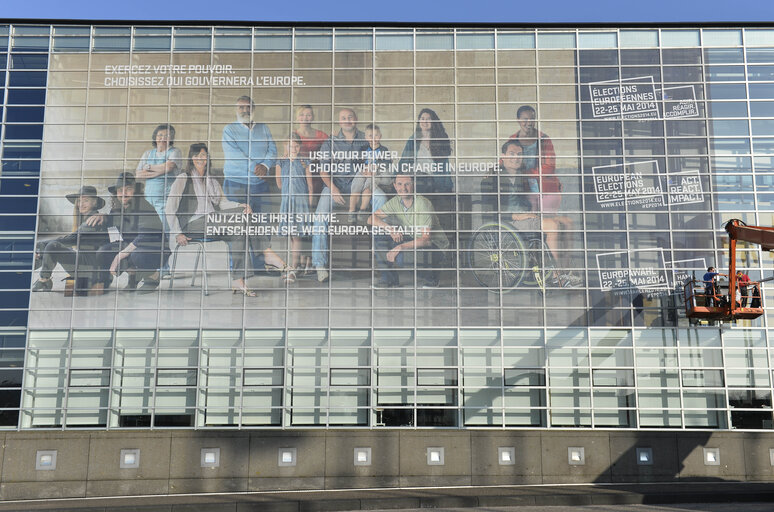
(168, 201)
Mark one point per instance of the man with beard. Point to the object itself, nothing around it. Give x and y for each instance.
(249, 152)
(136, 238)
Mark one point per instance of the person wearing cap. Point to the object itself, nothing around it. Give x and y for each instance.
(137, 238)
(74, 251)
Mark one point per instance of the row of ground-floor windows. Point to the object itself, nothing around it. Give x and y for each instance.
(648, 378)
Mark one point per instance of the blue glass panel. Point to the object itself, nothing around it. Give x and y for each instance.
(18, 186)
(30, 44)
(27, 79)
(760, 55)
(10, 378)
(101, 31)
(724, 56)
(435, 42)
(232, 42)
(597, 57)
(725, 73)
(394, 41)
(24, 114)
(556, 40)
(729, 128)
(727, 108)
(193, 43)
(762, 108)
(724, 164)
(10, 398)
(731, 183)
(729, 146)
(29, 61)
(760, 73)
(9, 418)
(726, 92)
(3, 60)
(483, 41)
(23, 131)
(14, 300)
(26, 96)
(71, 44)
(721, 37)
(761, 91)
(11, 340)
(19, 205)
(273, 42)
(515, 41)
(312, 41)
(153, 43)
(11, 318)
(17, 223)
(15, 260)
(682, 56)
(112, 43)
(21, 150)
(354, 41)
(21, 167)
(763, 127)
(17, 243)
(15, 280)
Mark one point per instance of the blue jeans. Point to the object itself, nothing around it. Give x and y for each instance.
(325, 207)
(253, 195)
(426, 259)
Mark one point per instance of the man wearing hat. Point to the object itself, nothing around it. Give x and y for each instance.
(136, 237)
(76, 250)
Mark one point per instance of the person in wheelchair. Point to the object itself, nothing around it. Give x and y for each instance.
(518, 207)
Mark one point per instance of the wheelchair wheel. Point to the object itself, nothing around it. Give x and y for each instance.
(496, 256)
(541, 266)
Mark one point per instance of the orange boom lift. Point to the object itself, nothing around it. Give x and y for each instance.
(696, 303)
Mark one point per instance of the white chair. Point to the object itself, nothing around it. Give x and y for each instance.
(201, 253)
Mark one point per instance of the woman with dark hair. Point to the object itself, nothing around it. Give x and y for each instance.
(195, 194)
(539, 161)
(78, 249)
(158, 167)
(426, 154)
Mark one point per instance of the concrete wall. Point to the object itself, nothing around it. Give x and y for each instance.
(170, 461)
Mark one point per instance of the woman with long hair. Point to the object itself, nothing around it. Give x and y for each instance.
(426, 154)
(195, 194)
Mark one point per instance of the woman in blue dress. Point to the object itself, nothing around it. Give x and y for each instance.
(158, 168)
(295, 181)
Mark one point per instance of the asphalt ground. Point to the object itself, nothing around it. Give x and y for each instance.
(661, 497)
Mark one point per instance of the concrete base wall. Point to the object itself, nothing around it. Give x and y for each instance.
(88, 463)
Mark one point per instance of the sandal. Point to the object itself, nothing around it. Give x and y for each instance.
(244, 290)
(289, 275)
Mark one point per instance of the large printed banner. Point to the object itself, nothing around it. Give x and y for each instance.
(212, 190)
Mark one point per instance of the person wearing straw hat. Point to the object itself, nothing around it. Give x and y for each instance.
(136, 237)
(77, 250)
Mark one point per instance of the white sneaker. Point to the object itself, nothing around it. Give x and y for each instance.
(571, 280)
(322, 274)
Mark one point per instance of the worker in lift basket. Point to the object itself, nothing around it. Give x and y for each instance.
(710, 286)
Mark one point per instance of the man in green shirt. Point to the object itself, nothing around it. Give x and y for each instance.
(406, 230)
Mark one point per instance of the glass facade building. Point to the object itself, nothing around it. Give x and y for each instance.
(549, 294)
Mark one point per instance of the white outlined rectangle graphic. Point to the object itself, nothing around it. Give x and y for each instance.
(631, 183)
(679, 102)
(685, 188)
(629, 275)
(627, 98)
